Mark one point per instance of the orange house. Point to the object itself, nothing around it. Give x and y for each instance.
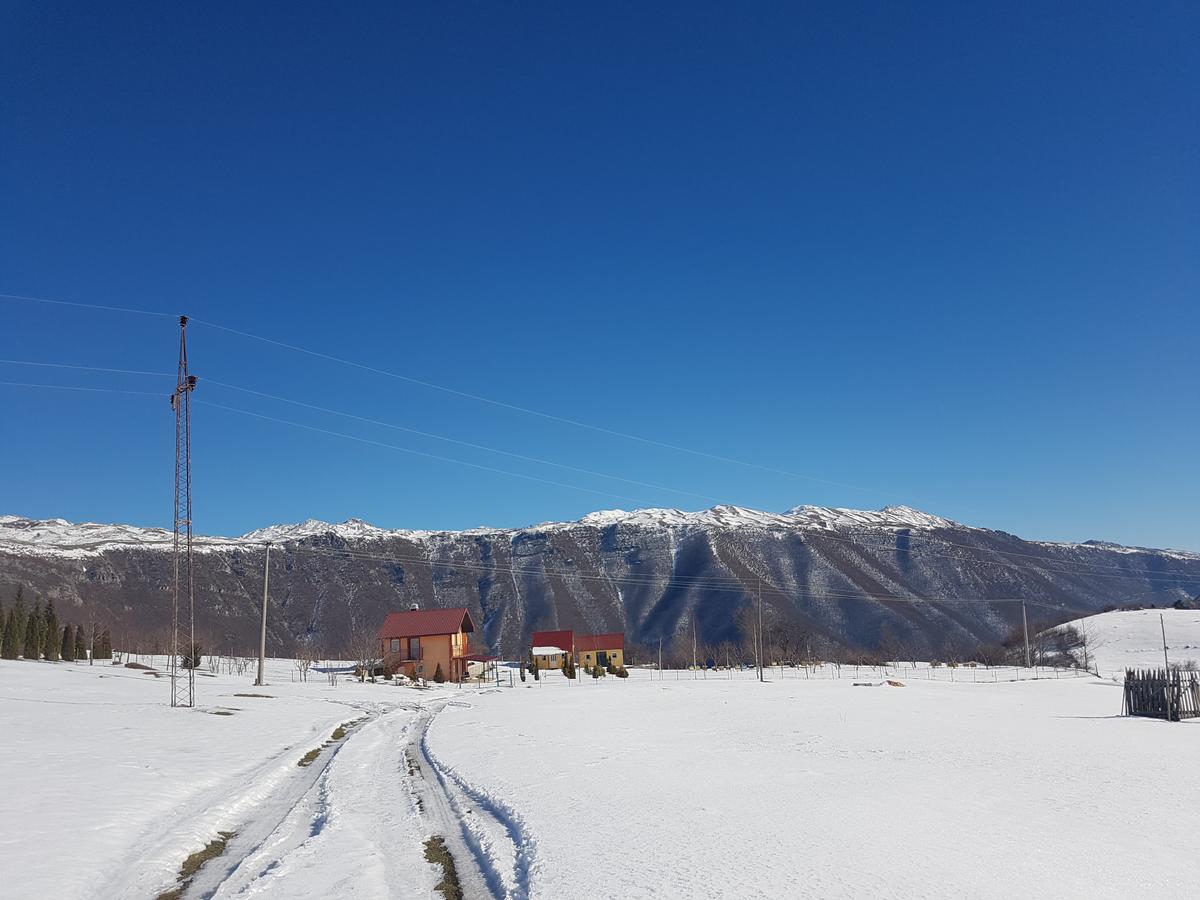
(416, 642)
(600, 650)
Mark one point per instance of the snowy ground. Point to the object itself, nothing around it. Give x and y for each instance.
(818, 788)
(107, 789)
(1135, 639)
(963, 782)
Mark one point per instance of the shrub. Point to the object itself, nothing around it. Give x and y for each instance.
(438, 675)
(622, 672)
(597, 671)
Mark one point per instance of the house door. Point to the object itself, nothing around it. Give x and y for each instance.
(602, 659)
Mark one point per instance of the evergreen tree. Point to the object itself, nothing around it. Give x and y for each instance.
(3, 627)
(50, 641)
(8, 649)
(67, 648)
(33, 634)
(521, 669)
(81, 647)
(14, 631)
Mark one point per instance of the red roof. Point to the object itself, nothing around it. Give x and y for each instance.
(426, 622)
(563, 640)
(587, 643)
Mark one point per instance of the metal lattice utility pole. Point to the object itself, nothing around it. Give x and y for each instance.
(1025, 626)
(262, 638)
(183, 689)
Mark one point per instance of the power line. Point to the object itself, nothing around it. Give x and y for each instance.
(67, 387)
(531, 412)
(520, 456)
(50, 365)
(460, 462)
(479, 398)
(122, 309)
(460, 442)
(381, 423)
(1079, 570)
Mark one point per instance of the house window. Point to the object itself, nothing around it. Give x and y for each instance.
(395, 645)
(414, 648)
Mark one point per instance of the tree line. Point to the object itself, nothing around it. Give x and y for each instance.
(791, 643)
(36, 633)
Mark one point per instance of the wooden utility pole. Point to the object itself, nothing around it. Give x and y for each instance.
(262, 638)
(760, 633)
(660, 658)
(694, 665)
(1167, 663)
(1025, 626)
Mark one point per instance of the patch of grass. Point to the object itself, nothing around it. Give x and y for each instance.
(219, 712)
(265, 696)
(195, 863)
(340, 731)
(308, 758)
(138, 665)
(437, 853)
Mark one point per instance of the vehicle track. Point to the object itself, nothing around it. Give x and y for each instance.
(491, 848)
(488, 834)
(306, 789)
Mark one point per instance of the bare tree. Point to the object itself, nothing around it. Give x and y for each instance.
(364, 649)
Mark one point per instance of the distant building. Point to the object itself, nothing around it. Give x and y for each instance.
(416, 642)
(602, 650)
(551, 648)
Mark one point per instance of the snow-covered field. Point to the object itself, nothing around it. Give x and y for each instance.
(107, 789)
(1134, 639)
(822, 789)
(672, 787)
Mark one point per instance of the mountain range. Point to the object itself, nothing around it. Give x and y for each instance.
(840, 578)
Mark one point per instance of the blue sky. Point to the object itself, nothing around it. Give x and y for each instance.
(943, 255)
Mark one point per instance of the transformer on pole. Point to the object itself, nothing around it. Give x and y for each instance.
(183, 621)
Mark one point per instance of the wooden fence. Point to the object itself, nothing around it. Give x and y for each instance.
(1162, 694)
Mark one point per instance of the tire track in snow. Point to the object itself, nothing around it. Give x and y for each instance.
(254, 835)
(466, 799)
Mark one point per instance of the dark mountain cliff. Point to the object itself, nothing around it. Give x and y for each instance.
(837, 577)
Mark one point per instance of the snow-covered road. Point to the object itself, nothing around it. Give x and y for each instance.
(98, 769)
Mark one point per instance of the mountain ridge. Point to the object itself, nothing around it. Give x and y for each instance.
(845, 578)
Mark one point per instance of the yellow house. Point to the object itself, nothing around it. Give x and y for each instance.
(551, 648)
(602, 650)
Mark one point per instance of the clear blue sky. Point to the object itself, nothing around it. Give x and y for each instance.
(942, 254)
